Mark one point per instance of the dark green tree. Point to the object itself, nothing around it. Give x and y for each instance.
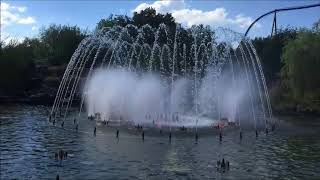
(16, 68)
(38, 48)
(61, 42)
(151, 17)
(316, 26)
(301, 60)
(114, 20)
(269, 50)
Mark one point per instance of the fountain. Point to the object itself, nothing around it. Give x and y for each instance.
(163, 78)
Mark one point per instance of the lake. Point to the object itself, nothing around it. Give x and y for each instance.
(29, 143)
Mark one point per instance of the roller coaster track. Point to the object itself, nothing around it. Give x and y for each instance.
(274, 25)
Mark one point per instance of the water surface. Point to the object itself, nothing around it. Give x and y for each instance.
(28, 144)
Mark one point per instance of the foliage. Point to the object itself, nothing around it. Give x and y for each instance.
(151, 17)
(270, 50)
(301, 60)
(146, 16)
(61, 42)
(18, 61)
(39, 49)
(299, 86)
(16, 68)
(316, 26)
(114, 20)
(290, 59)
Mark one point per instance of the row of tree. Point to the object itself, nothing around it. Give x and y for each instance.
(291, 58)
(54, 46)
(291, 62)
(19, 61)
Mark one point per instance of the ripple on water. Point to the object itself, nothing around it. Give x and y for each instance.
(28, 145)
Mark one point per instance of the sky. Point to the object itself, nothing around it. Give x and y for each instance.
(20, 19)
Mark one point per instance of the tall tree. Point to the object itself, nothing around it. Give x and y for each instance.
(61, 42)
(114, 20)
(16, 68)
(151, 17)
(301, 60)
(270, 51)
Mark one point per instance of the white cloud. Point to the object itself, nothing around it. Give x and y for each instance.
(195, 17)
(21, 9)
(189, 17)
(4, 6)
(7, 18)
(244, 21)
(10, 16)
(14, 15)
(163, 6)
(27, 20)
(34, 28)
(6, 38)
(216, 17)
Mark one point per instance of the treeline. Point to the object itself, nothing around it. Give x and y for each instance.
(39, 62)
(291, 59)
(291, 63)
(21, 62)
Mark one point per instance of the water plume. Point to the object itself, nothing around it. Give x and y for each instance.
(190, 77)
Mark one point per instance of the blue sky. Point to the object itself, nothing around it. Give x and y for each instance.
(21, 19)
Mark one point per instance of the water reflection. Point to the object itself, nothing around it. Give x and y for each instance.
(28, 144)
